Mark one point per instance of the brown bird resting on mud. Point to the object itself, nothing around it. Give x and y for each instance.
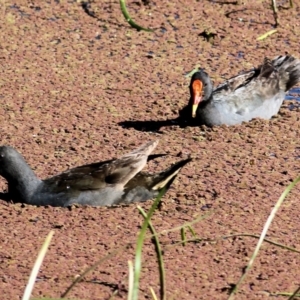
(257, 93)
(98, 184)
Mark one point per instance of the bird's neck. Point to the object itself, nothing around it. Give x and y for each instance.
(205, 102)
(22, 183)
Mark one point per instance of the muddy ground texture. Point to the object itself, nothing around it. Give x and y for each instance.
(78, 85)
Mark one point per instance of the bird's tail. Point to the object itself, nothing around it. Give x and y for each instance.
(145, 186)
(289, 71)
(163, 180)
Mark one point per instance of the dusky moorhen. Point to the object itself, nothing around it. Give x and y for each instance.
(257, 93)
(98, 184)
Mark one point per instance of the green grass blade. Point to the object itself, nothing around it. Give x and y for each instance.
(162, 273)
(183, 237)
(196, 220)
(266, 240)
(192, 231)
(286, 294)
(130, 280)
(198, 239)
(129, 20)
(263, 234)
(89, 269)
(153, 294)
(191, 73)
(36, 267)
(275, 12)
(139, 246)
(295, 294)
(265, 35)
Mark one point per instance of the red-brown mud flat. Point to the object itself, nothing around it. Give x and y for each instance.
(68, 78)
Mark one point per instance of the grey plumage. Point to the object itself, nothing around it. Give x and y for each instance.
(98, 184)
(257, 93)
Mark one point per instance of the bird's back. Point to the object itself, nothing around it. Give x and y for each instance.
(257, 93)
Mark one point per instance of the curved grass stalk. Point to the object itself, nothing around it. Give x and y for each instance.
(263, 234)
(275, 12)
(90, 269)
(139, 246)
(162, 273)
(266, 240)
(36, 267)
(198, 240)
(191, 73)
(129, 19)
(295, 294)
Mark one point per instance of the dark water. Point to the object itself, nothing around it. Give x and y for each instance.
(293, 94)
